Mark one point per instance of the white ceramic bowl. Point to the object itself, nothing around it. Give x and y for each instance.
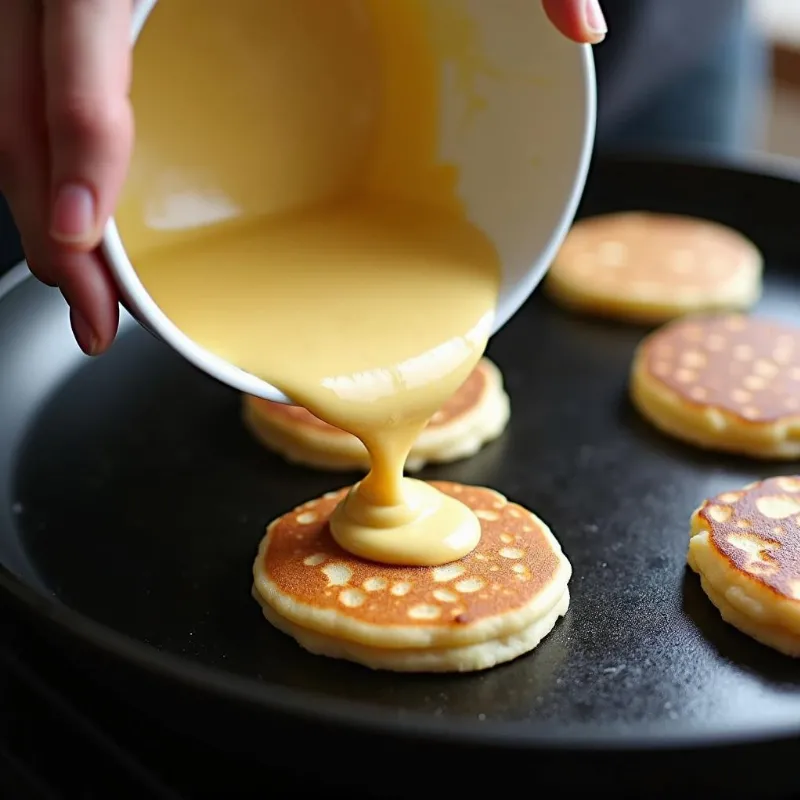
(523, 163)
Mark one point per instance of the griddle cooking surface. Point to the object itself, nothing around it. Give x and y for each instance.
(130, 494)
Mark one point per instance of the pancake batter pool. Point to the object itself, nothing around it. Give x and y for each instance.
(287, 210)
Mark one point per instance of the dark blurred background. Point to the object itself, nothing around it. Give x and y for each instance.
(715, 76)
(686, 76)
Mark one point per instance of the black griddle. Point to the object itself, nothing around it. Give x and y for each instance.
(132, 502)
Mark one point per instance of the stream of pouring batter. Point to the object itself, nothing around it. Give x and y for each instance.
(335, 260)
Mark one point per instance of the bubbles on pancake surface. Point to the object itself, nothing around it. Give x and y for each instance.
(728, 362)
(758, 530)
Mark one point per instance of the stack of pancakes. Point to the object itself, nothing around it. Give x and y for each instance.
(745, 546)
(490, 607)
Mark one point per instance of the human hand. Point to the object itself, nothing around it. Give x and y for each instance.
(66, 130)
(581, 20)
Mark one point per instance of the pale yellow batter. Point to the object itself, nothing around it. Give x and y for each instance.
(333, 257)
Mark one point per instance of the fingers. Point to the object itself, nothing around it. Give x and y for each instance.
(580, 20)
(24, 165)
(87, 77)
(92, 296)
(86, 58)
(82, 276)
(25, 180)
(95, 153)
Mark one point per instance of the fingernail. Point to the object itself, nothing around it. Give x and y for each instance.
(594, 19)
(73, 218)
(88, 340)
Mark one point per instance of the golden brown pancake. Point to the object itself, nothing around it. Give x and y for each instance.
(476, 414)
(645, 267)
(745, 545)
(491, 606)
(725, 382)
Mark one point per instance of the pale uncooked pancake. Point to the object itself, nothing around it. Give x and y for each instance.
(646, 267)
(724, 382)
(745, 545)
(490, 607)
(475, 415)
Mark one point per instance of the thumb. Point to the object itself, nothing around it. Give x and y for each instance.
(580, 20)
(87, 55)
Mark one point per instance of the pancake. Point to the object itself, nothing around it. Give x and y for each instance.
(490, 607)
(650, 268)
(745, 545)
(725, 382)
(475, 415)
